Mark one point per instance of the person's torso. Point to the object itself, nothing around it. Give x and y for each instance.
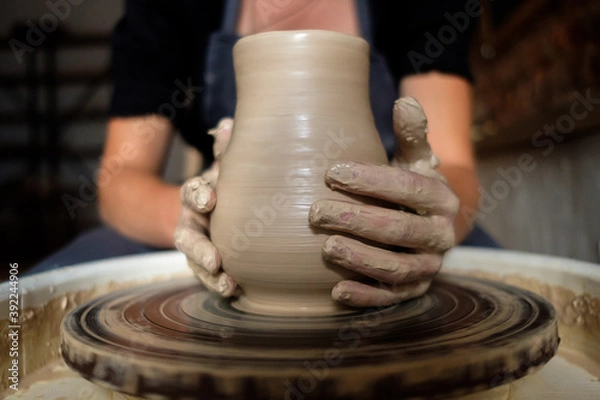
(215, 64)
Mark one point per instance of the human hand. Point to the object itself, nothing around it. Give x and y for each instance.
(197, 201)
(420, 219)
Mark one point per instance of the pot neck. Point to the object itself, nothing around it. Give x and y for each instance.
(301, 73)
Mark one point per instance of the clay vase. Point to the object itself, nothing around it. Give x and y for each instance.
(302, 104)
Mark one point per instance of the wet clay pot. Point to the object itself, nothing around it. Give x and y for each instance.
(302, 104)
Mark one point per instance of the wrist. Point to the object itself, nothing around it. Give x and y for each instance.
(465, 184)
(168, 211)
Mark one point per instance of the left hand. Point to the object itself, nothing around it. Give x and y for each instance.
(422, 223)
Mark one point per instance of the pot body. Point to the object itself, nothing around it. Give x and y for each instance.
(303, 103)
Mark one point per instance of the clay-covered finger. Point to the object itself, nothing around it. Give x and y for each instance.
(220, 282)
(198, 248)
(211, 175)
(394, 227)
(222, 135)
(383, 265)
(413, 151)
(357, 294)
(197, 195)
(395, 185)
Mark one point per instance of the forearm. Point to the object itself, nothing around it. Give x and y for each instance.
(134, 199)
(141, 207)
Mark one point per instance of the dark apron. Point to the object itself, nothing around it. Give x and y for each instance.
(219, 81)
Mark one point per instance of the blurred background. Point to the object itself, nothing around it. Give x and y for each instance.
(54, 96)
(536, 124)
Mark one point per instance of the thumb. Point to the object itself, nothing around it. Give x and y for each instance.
(413, 151)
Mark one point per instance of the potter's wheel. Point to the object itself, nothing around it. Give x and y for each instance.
(177, 340)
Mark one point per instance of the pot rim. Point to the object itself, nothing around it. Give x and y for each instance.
(296, 35)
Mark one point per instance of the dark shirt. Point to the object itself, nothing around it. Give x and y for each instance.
(159, 51)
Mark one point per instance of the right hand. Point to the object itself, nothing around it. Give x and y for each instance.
(198, 199)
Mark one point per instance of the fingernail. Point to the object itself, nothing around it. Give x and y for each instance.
(340, 173)
(203, 257)
(195, 184)
(408, 104)
(203, 196)
(411, 119)
(409, 101)
(339, 294)
(223, 284)
(217, 128)
(317, 215)
(209, 263)
(334, 248)
(225, 123)
(226, 286)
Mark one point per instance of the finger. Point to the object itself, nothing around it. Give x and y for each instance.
(383, 265)
(192, 242)
(395, 185)
(197, 195)
(222, 135)
(220, 283)
(211, 175)
(413, 151)
(394, 227)
(358, 294)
